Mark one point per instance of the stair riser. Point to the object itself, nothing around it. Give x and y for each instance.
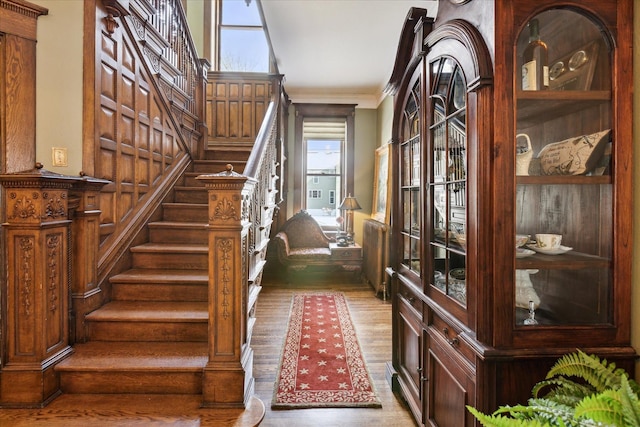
(158, 292)
(147, 331)
(191, 196)
(185, 213)
(170, 260)
(172, 234)
(191, 181)
(160, 382)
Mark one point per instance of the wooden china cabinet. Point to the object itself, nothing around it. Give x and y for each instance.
(482, 155)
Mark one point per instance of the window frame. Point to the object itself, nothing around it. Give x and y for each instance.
(344, 112)
(213, 28)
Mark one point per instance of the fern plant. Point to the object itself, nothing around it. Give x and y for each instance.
(580, 390)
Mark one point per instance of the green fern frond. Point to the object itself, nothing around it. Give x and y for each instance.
(521, 412)
(562, 390)
(604, 407)
(551, 411)
(546, 411)
(599, 373)
(634, 386)
(604, 396)
(503, 421)
(614, 407)
(630, 401)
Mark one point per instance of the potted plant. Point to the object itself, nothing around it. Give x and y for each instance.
(579, 390)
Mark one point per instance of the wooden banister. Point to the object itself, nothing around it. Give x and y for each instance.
(241, 210)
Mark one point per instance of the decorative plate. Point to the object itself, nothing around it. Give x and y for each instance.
(523, 253)
(556, 69)
(577, 60)
(556, 251)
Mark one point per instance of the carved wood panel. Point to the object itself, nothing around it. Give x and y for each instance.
(136, 142)
(235, 108)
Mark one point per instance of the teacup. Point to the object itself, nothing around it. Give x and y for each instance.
(548, 241)
(521, 240)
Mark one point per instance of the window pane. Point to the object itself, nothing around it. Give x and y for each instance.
(323, 180)
(323, 157)
(236, 12)
(243, 50)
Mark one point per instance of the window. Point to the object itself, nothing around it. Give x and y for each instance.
(323, 166)
(324, 160)
(242, 42)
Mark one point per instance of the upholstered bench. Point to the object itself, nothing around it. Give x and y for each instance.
(301, 243)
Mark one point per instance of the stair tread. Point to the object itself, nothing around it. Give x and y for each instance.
(151, 311)
(118, 356)
(159, 275)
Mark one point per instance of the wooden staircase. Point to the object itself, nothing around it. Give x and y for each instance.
(152, 336)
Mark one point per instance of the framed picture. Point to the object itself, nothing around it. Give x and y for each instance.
(381, 187)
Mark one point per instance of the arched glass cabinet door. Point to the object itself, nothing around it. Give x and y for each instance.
(563, 172)
(410, 179)
(447, 179)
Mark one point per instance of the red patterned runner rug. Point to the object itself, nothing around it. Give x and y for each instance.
(322, 363)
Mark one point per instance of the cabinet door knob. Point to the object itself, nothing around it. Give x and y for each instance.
(452, 341)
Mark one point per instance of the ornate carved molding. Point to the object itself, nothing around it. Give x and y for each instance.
(225, 210)
(23, 208)
(154, 60)
(53, 247)
(56, 206)
(115, 9)
(18, 17)
(138, 26)
(225, 247)
(26, 268)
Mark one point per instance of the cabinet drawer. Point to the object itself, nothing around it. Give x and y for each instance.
(406, 294)
(442, 329)
(346, 253)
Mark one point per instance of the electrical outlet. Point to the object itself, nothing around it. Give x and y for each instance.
(59, 157)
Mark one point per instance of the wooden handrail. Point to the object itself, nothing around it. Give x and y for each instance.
(262, 141)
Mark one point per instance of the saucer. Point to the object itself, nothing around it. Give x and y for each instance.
(556, 251)
(522, 253)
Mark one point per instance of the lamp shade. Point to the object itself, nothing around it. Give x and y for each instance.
(349, 204)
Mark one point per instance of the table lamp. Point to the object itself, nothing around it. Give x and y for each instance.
(349, 204)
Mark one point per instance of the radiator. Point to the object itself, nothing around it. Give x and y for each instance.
(374, 255)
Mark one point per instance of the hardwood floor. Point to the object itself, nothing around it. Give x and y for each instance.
(372, 319)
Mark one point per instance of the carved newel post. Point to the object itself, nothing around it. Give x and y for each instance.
(36, 292)
(228, 377)
(86, 295)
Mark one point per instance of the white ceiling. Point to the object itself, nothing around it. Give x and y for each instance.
(337, 51)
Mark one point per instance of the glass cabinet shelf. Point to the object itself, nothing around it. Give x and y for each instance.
(536, 106)
(569, 261)
(563, 179)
